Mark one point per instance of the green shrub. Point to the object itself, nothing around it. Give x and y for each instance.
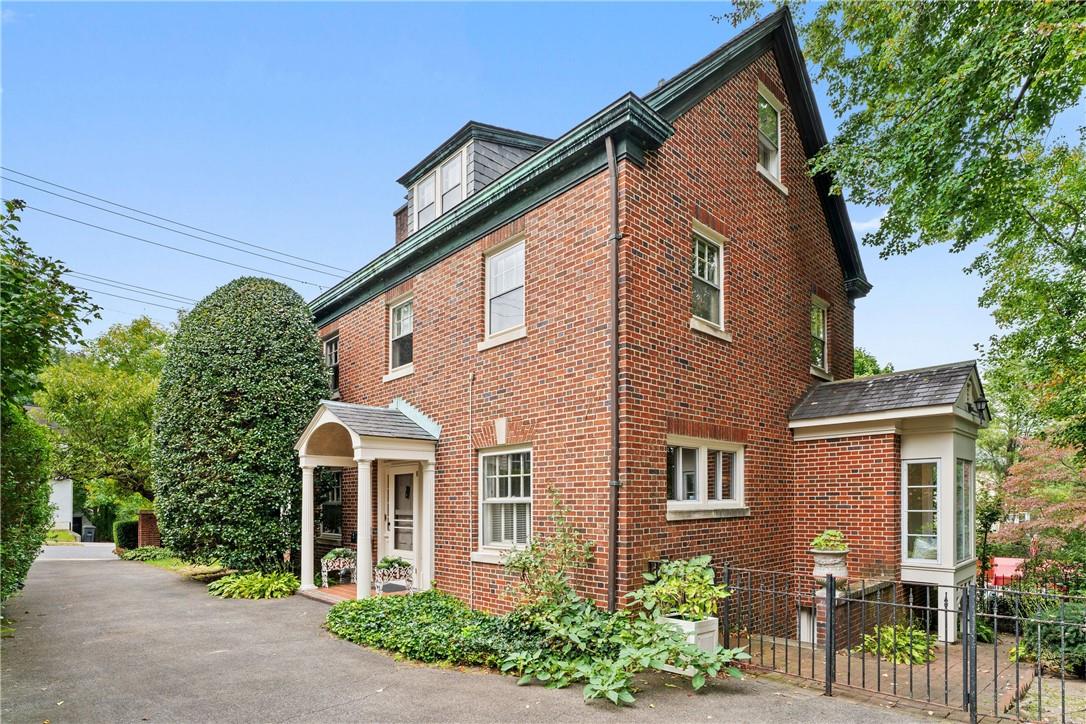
(254, 585)
(243, 375)
(25, 512)
(829, 540)
(1061, 627)
(126, 534)
(900, 644)
(148, 553)
(683, 588)
(430, 626)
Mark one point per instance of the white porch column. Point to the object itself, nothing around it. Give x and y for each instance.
(307, 528)
(365, 527)
(426, 570)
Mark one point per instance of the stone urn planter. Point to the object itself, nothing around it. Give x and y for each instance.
(829, 550)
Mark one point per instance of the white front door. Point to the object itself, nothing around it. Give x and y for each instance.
(401, 495)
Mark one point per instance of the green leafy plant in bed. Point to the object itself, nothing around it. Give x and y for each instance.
(148, 553)
(254, 585)
(900, 644)
(684, 589)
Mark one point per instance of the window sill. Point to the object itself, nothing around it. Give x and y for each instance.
(503, 337)
(698, 511)
(404, 371)
(821, 374)
(490, 556)
(772, 179)
(700, 325)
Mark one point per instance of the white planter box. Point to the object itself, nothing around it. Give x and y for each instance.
(705, 634)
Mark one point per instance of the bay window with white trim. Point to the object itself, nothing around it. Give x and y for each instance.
(703, 475)
(506, 499)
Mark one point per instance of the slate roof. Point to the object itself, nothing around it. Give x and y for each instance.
(376, 421)
(940, 385)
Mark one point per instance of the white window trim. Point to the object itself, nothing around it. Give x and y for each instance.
(817, 301)
(970, 498)
(438, 191)
(495, 552)
(395, 373)
(708, 235)
(334, 337)
(939, 513)
(512, 333)
(773, 178)
(703, 507)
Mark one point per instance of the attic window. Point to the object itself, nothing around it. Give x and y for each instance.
(769, 137)
(441, 189)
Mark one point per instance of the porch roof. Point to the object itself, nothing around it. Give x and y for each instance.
(368, 421)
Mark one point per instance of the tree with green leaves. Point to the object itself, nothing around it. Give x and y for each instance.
(38, 311)
(243, 376)
(864, 364)
(100, 399)
(948, 111)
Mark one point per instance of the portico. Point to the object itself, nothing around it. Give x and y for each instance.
(393, 451)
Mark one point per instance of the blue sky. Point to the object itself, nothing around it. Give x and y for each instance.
(286, 125)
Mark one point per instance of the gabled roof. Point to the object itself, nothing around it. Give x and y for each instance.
(472, 130)
(777, 33)
(368, 421)
(924, 387)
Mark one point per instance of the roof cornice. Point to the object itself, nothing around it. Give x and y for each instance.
(567, 160)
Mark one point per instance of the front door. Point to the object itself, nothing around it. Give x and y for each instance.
(400, 496)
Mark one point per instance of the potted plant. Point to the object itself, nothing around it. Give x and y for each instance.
(829, 549)
(684, 594)
(341, 560)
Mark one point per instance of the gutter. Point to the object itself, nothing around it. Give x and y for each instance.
(615, 483)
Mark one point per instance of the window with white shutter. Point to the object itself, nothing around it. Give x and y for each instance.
(506, 498)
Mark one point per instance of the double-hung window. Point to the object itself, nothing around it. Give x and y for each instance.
(707, 292)
(921, 510)
(703, 475)
(441, 189)
(963, 510)
(505, 290)
(769, 135)
(401, 332)
(330, 518)
(506, 497)
(819, 327)
(331, 361)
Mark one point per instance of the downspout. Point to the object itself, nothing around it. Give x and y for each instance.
(473, 542)
(612, 522)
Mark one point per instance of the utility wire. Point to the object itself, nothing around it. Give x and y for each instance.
(171, 221)
(131, 299)
(174, 231)
(174, 248)
(132, 288)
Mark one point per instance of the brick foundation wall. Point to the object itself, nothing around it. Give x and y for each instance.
(851, 484)
(147, 531)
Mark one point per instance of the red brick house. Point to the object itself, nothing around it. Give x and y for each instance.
(651, 315)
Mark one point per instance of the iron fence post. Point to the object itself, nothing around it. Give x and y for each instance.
(831, 648)
(725, 614)
(971, 625)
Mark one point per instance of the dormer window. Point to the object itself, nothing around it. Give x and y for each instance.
(441, 189)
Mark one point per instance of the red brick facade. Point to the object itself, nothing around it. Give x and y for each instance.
(550, 388)
(147, 530)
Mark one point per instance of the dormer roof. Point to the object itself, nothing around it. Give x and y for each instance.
(472, 131)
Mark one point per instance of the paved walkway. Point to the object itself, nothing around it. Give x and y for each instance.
(78, 552)
(118, 641)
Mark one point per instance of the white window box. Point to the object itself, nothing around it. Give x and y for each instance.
(404, 371)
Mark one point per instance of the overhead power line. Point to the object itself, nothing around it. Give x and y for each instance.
(131, 299)
(132, 287)
(174, 248)
(162, 218)
(173, 231)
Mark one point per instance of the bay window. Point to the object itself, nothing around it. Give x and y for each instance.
(921, 510)
(963, 510)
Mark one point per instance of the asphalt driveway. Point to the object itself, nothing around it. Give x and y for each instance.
(118, 641)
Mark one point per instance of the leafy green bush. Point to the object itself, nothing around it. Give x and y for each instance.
(900, 644)
(1060, 628)
(683, 588)
(243, 375)
(254, 585)
(25, 512)
(126, 534)
(829, 540)
(148, 553)
(339, 553)
(430, 626)
(389, 562)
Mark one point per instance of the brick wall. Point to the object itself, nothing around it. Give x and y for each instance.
(851, 484)
(147, 531)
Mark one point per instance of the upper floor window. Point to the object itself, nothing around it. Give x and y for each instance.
(708, 299)
(505, 289)
(703, 474)
(401, 334)
(769, 134)
(441, 189)
(330, 517)
(507, 497)
(331, 360)
(819, 348)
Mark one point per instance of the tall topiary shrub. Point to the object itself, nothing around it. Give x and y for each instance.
(243, 375)
(25, 512)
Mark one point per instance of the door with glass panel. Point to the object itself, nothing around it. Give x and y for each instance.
(400, 494)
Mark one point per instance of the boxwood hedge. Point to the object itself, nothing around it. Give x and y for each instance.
(243, 375)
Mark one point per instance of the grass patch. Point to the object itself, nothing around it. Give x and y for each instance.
(61, 537)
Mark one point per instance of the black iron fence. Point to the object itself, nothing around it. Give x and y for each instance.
(990, 652)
